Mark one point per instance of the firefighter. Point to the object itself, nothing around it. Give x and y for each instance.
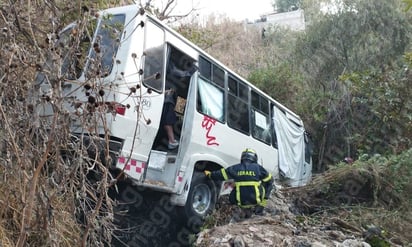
(253, 183)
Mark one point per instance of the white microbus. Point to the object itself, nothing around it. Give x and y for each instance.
(117, 68)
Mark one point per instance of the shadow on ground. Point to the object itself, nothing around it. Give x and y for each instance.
(147, 218)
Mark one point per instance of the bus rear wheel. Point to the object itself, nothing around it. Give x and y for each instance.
(200, 202)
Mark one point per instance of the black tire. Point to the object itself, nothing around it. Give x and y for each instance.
(201, 201)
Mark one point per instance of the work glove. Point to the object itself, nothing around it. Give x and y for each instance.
(207, 173)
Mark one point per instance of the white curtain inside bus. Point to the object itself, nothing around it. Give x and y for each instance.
(291, 149)
(212, 100)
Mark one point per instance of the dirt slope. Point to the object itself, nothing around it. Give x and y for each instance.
(281, 227)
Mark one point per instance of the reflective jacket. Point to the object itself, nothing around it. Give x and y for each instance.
(252, 181)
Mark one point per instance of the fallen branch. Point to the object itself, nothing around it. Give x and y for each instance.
(346, 225)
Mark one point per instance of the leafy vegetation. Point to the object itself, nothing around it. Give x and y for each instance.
(362, 40)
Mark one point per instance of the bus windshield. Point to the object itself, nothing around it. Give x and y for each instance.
(72, 50)
(105, 46)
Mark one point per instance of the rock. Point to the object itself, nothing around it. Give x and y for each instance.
(283, 229)
(253, 229)
(226, 238)
(353, 243)
(238, 241)
(317, 244)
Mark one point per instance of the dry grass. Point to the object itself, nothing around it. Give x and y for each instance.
(53, 222)
(373, 192)
(42, 194)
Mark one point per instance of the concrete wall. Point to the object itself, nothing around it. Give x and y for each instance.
(294, 20)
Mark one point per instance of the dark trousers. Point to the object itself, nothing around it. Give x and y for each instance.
(244, 198)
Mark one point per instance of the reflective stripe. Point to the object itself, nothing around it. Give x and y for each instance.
(224, 174)
(249, 150)
(263, 202)
(266, 179)
(255, 184)
(238, 195)
(248, 183)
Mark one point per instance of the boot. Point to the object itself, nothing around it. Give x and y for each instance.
(247, 213)
(259, 210)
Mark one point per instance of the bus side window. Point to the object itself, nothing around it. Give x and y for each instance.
(210, 100)
(154, 58)
(260, 117)
(211, 95)
(238, 114)
(237, 105)
(261, 127)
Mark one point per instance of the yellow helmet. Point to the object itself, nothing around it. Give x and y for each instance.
(249, 154)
